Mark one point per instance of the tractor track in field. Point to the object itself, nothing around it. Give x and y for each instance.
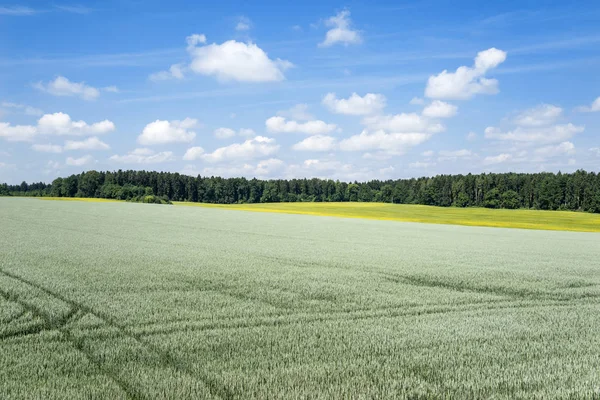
(344, 316)
(212, 385)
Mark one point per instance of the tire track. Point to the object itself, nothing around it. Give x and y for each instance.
(215, 388)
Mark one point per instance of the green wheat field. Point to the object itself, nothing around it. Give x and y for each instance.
(136, 301)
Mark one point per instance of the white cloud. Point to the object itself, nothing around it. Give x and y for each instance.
(163, 132)
(541, 115)
(536, 126)
(193, 153)
(466, 82)
(299, 112)
(92, 143)
(281, 125)
(236, 61)
(595, 150)
(440, 109)
(194, 40)
(564, 148)
(78, 162)
(499, 159)
(61, 86)
(268, 167)
(53, 124)
(453, 155)
(547, 134)
(380, 140)
(17, 133)
(52, 165)
(175, 72)
(28, 110)
(259, 146)
(17, 11)
(403, 122)
(427, 153)
(111, 89)
(246, 132)
(341, 31)
(263, 169)
(316, 143)
(471, 136)
(143, 156)
(594, 107)
(420, 165)
(417, 101)
(371, 103)
(243, 24)
(224, 133)
(47, 148)
(61, 124)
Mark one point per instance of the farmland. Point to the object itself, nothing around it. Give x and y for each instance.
(522, 219)
(123, 300)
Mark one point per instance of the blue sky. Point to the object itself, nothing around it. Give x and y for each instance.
(350, 91)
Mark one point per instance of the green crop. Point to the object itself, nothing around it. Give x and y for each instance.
(139, 301)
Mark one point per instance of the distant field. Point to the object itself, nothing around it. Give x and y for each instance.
(134, 301)
(524, 219)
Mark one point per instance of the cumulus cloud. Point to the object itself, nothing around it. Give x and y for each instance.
(466, 82)
(257, 147)
(143, 156)
(62, 124)
(61, 86)
(17, 133)
(237, 61)
(299, 112)
(594, 107)
(47, 148)
(28, 110)
(92, 143)
(163, 132)
(541, 115)
(397, 143)
(564, 148)
(79, 162)
(175, 71)
(417, 101)
(229, 61)
(341, 31)
(281, 125)
(499, 159)
(53, 124)
(440, 109)
(471, 136)
(536, 126)
(263, 169)
(193, 153)
(595, 150)
(370, 103)
(224, 133)
(403, 122)
(316, 143)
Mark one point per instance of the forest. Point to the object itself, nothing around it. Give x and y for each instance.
(578, 191)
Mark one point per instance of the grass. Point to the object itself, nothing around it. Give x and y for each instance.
(125, 301)
(523, 219)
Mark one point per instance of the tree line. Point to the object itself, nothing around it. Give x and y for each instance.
(578, 191)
